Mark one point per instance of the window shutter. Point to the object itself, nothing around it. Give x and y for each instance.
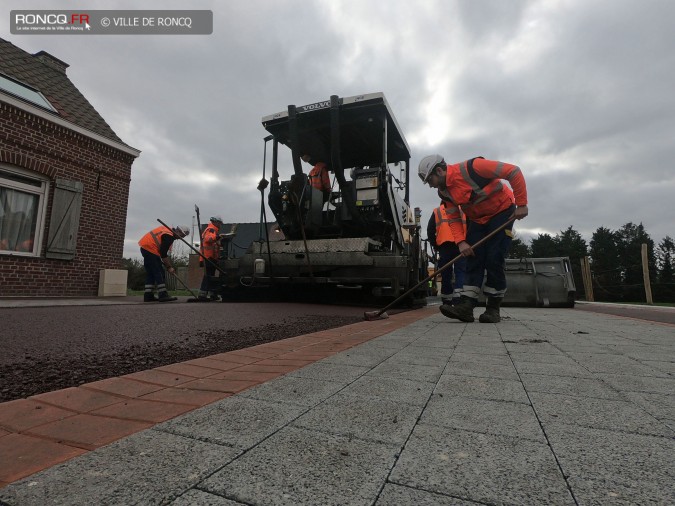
(65, 219)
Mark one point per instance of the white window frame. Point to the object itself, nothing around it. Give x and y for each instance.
(42, 192)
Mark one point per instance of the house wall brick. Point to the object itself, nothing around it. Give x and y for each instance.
(34, 143)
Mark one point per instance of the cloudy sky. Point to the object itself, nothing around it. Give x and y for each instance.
(578, 93)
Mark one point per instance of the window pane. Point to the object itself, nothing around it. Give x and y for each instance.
(18, 218)
(20, 179)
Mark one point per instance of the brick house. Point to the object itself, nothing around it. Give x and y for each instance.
(64, 181)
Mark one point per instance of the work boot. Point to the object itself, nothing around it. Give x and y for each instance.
(491, 314)
(149, 297)
(462, 311)
(165, 297)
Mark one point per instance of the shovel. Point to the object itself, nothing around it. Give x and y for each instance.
(381, 314)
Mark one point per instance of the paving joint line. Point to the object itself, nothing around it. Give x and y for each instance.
(541, 425)
(417, 421)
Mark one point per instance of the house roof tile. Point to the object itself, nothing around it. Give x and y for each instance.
(47, 74)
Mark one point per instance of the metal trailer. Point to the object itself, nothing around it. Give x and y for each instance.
(365, 239)
(539, 282)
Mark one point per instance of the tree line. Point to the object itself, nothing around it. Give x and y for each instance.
(615, 258)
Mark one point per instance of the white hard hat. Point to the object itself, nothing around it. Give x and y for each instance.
(182, 230)
(217, 218)
(428, 164)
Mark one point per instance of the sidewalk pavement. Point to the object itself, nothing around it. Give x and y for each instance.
(551, 406)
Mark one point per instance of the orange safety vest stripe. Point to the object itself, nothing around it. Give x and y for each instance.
(318, 177)
(152, 240)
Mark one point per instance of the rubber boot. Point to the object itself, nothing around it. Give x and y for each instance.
(149, 297)
(462, 311)
(165, 297)
(491, 314)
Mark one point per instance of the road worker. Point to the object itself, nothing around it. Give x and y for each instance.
(442, 240)
(210, 248)
(155, 247)
(318, 177)
(475, 187)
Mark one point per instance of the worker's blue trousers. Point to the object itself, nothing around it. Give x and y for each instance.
(489, 260)
(446, 252)
(154, 269)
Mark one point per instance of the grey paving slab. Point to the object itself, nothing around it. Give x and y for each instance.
(240, 422)
(368, 418)
(337, 373)
(199, 498)
(595, 413)
(660, 406)
(294, 390)
(481, 467)
(615, 364)
(568, 385)
(482, 349)
(413, 372)
(432, 341)
(541, 358)
(396, 389)
(481, 358)
(571, 370)
(421, 356)
(298, 466)
(361, 358)
(629, 383)
(534, 345)
(396, 495)
(150, 467)
(495, 389)
(666, 367)
(606, 467)
(481, 415)
(481, 369)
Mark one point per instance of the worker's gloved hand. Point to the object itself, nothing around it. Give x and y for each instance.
(520, 212)
(465, 249)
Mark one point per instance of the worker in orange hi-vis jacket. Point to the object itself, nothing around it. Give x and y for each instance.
(443, 240)
(155, 247)
(210, 248)
(476, 187)
(318, 176)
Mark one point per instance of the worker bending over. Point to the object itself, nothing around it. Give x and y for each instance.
(155, 247)
(475, 187)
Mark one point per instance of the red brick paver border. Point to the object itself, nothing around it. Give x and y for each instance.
(50, 428)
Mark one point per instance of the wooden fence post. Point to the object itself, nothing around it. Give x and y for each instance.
(587, 278)
(645, 275)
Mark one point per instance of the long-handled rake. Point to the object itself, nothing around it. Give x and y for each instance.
(381, 313)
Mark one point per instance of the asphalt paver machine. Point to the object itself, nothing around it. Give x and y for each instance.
(362, 238)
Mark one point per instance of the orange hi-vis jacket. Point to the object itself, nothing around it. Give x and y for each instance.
(482, 202)
(153, 239)
(210, 246)
(318, 177)
(443, 218)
